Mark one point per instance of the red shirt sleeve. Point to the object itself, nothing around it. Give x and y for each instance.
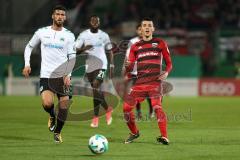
(166, 56)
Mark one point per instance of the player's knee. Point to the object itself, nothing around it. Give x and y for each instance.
(96, 84)
(156, 102)
(157, 107)
(127, 108)
(47, 103)
(64, 102)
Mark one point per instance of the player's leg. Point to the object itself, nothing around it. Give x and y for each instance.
(161, 119)
(96, 77)
(138, 111)
(100, 99)
(130, 120)
(151, 113)
(47, 97)
(96, 104)
(64, 104)
(57, 86)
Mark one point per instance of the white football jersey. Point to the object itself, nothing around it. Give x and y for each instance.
(97, 58)
(131, 42)
(56, 49)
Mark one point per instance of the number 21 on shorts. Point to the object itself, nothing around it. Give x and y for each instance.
(101, 74)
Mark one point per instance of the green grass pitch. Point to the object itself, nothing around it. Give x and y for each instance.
(199, 128)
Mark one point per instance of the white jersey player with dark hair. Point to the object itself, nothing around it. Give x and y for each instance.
(94, 42)
(56, 50)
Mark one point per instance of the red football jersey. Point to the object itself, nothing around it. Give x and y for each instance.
(149, 56)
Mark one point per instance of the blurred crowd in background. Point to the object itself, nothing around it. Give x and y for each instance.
(167, 14)
(204, 32)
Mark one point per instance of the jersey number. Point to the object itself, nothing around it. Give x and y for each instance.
(101, 74)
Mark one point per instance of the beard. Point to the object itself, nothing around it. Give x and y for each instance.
(58, 23)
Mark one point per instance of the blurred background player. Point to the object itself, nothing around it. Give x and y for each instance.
(148, 53)
(134, 73)
(93, 41)
(56, 47)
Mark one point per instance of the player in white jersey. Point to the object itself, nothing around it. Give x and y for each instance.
(134, 73)
(94, 41)
(56, 51)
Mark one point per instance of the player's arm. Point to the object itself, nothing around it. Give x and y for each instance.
(83, 49)
(167, 59)
(71, 61)
(109, 51)
(110, 55)
(80, 47)
(35, 40)
(126, 57)
(129, 64)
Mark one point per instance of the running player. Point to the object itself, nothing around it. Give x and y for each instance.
(93, 41)
(56, 49)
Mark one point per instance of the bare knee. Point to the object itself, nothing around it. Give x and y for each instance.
(64, 102)
(47, 99)
(47, 103)
(96, 84)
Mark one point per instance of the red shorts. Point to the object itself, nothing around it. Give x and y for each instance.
(138, 93)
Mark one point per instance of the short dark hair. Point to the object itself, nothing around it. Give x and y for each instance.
(146, 19)
(93, 15)
(58, 7)
(138, 25)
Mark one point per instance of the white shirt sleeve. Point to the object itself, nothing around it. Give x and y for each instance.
(35, 40)
(71, 50)
(128, 49)
(71, 55)
(107, 43)
(79, 42)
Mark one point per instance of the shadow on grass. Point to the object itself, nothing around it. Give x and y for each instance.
(108, 155)
(18, 138)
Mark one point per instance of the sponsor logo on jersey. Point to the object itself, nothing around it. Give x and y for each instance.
(62, 39)
(47, 37)
(154, 45)
(148, 54)
(50, 45)
(98, 44)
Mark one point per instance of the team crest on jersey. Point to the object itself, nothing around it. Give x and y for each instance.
(62, 39)
(154, 45)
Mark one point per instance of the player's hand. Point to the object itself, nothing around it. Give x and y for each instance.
(126, 64)
(163, 75)
(126, 78)
(84, 48)
(26, 71)
(67, 81)
(111, 71)
(88, 47)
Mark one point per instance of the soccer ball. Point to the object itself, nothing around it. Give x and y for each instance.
(98, 144)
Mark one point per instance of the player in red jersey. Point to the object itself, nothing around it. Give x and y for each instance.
(134, 73)
(148, 53)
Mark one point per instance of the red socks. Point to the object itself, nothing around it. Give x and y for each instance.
(162, 121)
